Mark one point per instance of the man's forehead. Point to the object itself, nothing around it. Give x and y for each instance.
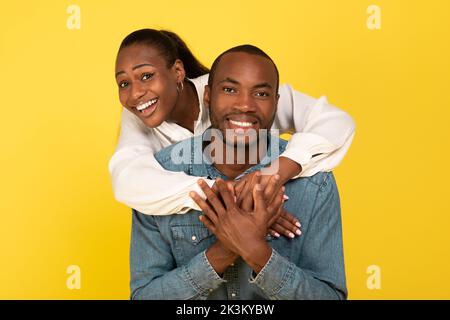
(235, 63)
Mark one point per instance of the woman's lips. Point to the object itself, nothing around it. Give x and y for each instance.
(148, 111)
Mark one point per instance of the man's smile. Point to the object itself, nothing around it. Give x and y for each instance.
(242, 122)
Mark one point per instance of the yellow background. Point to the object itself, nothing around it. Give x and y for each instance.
(60, 119)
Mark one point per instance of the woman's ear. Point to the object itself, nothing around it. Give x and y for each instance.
(178, 68)
(206, 96)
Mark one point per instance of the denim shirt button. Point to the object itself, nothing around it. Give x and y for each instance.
(194, 238)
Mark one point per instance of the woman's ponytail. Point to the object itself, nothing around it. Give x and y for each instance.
(193, 67)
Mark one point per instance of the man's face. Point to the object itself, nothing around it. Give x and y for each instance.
(243, 95)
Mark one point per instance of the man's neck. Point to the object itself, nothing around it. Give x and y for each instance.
(240, 160)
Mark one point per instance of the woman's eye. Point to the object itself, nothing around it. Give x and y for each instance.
(123, 84)
(147, 76)
(228, 90)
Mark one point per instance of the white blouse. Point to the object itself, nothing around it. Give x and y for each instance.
(141, 183)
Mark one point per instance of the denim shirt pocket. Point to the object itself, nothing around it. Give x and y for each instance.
(189, 240)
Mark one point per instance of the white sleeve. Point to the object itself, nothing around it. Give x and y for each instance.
(138, 179)
(322, 133)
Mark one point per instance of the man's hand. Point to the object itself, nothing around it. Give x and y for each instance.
(287, 169)
(220, 257)
(287, 224)
(243, 232)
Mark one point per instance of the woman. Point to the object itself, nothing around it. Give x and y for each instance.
(161, 87)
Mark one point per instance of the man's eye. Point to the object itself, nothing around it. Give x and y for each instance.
(123, 84)
(262, 94)
(147, 76)
(228, 90)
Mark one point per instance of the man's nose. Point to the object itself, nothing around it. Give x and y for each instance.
(246, 102)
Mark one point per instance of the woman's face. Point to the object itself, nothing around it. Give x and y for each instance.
(147, 87)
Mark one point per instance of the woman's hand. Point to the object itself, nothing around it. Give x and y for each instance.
(282, 224)
(286, 225)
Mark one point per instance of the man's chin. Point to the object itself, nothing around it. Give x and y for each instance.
(241, 142)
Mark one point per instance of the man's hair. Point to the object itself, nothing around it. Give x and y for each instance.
(247, 48)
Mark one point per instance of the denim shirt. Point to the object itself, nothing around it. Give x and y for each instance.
(168, 259)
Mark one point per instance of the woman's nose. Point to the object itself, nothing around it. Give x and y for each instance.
(137, 92)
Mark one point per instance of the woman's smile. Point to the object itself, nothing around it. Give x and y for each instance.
(147, 108)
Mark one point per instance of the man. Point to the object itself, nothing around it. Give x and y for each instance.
(224, 253)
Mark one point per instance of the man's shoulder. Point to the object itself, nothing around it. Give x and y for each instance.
(176, 156)
(321, 178)
(321, 182)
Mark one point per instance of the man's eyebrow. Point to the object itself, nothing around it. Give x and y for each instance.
(263, 85)
(259, 85)
(227, 79)
(136, 67)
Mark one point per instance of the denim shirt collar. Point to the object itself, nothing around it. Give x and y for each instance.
(207, 169)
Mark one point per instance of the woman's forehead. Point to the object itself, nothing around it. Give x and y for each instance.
(138, 54)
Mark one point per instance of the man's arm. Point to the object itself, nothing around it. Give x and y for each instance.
(154, 274)
(319, 271)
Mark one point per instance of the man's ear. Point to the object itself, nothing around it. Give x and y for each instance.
(206, 96)
(178, 68)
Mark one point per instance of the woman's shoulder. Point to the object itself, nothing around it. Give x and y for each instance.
(200, 82)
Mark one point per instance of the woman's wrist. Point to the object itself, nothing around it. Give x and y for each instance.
(288, 169)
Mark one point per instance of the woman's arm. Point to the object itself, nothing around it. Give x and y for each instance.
(323, 133)
(138, 179)
(321, 137)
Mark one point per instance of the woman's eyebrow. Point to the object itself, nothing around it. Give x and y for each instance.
(142, 65)
(135, 67)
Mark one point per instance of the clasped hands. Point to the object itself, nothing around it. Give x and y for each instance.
(241, 214)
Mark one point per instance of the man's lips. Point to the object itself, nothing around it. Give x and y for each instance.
(241, 121)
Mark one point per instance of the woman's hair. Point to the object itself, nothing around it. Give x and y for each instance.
(171, 47)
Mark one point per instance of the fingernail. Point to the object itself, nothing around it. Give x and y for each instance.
(277, 234)
(291, 235)
(285, 197)
(277, 177)
(298, 224)
(298, 232)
